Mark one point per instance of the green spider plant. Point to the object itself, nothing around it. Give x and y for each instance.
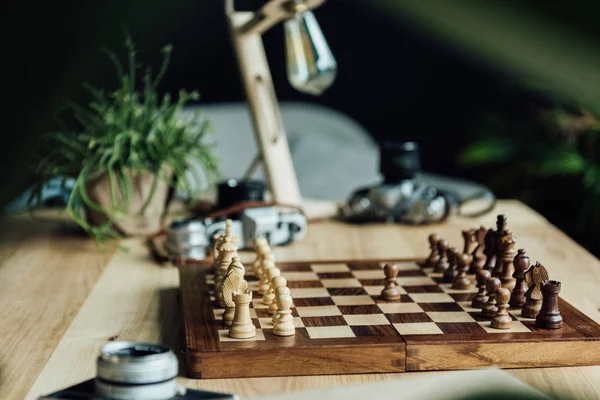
(120, 131)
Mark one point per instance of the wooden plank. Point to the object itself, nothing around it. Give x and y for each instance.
(41, 290)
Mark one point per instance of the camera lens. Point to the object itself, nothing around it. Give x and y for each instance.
(399, 161)
(232, 192)
(133, 370)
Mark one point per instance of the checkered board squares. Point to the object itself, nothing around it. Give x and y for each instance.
(342, 301)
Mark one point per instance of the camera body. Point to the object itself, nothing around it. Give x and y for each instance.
(401, 197)
(135, 371)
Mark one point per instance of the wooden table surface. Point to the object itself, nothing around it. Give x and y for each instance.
(61, 299)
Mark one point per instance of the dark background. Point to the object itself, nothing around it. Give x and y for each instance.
(394, 81)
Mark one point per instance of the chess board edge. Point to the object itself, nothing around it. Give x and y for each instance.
(209, 357)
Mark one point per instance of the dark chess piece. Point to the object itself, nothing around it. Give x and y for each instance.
(470, 241)
(478, 253)
(490, 308)
(480, 298)
(434, 256)
(442, 263)
(502, 319)
(498, 245)
(390, 292)
(461, 282)
(549, 316)
(521, 264)
(490, 250)
(508, 242)
(533, 296)
(452, 270)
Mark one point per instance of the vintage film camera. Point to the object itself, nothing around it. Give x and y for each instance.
(135, 371)
(407, 196)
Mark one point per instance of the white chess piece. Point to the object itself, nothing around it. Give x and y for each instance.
(285, 323)
(276, 282)
(270, 294)
(281, 290)
(242, 326)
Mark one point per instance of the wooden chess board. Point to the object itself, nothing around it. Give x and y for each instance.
(343, 327)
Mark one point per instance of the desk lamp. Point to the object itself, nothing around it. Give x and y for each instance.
(311, 69)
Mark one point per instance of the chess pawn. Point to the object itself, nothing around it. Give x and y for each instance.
(276, 282)
(434, 256)
(480, 298)
(264, 252)
(549, 316)
(284, 326)
(502, 319)
(442, 263)
(507, 266)
(281, 290)
(390, 292)
(521, 263)
(269, 296)
(461, 282)
(490, 308)
(478, 254)
(242, 326)
(490, 250)
(263, 283)
(452, 271)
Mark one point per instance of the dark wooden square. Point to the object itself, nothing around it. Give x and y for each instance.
(406, 318)
(411, 272)
(423, 289)
(462, 296)
(357, 266)
(372, 282)
(359, 310)
(304, 284)
(313, 301)
(296, 267)
(461, 327)
(335, 275)
(332, 320)
(440, 307)
(353, 291)
(375, 330)
(404, 298)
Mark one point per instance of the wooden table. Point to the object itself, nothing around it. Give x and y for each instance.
(61, 299)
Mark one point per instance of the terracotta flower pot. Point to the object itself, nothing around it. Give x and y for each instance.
(133, 223)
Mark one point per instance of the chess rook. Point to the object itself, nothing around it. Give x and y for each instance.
(502, 320)
(242, 326)
(549, 316)
(490, 308)
(452, 271)
(434, 256)
(442, 263)
(480, 298)
(390, 292)
(521, 264)
(461, 282)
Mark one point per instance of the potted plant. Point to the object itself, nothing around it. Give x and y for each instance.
(125, 151)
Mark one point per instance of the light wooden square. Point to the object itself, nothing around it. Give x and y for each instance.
(298, 322)
(418, 328)
(399, 308)
(305, 293)
(431, 298)
(340, 283)
(330, 332)
(318, 311)
(517, 315)
(367, 319)
(368, 274)
(257, 303)
(405, 265)
(352, 300)
(265, 323)
(415, 281)
(329, 267)
(224, 336)
(219, 314)
(299, 276)
(447, 288)
(517, 327)
(459, 316)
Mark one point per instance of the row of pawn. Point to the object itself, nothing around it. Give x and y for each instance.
(273, 287)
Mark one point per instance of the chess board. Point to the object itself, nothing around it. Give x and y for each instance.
(343, 327)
